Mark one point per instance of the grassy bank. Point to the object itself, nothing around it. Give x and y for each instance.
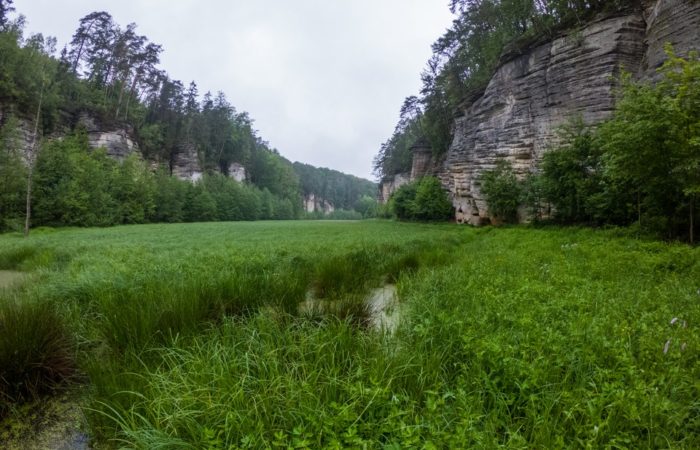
(190, 336)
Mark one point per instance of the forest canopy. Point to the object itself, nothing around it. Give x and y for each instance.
(111, 73)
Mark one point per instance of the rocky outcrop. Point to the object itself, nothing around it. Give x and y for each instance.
(422, 164)
(237, 172)
(670, 21)
(20, 131)
(532, 95)
(312, 204)
(389, 185)
(422, 159)
(119, 141)
(185, 163)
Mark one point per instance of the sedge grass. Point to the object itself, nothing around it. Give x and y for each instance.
(549, 338)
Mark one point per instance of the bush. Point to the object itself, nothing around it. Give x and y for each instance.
(424, 200)
(401, 201)
(367, 206)
(502, 192)
(570, 176)
(432, 203)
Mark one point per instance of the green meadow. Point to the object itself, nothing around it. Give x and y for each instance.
(192, 336)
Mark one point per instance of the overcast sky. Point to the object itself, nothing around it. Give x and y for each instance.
(323, 79)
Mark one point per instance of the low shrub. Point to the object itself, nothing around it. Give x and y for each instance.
(502, 191)
(37, 352)
(424, 200)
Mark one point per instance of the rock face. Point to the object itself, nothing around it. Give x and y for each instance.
(185, 164)
(22, 135)
(532, 95)
(312, 204)
(422, 159)
(118, 141)
(390, 185)
(422, 164)
(674, 21)
(237, 172)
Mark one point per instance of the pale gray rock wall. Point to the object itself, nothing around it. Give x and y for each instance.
(237, 172)
(422, 162)
(673, 21)
(390, 185)
(531, 96)
(22, 135)
(313, 203)
(118, 141)
(185, 164)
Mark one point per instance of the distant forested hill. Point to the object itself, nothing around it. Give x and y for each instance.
(106, 84)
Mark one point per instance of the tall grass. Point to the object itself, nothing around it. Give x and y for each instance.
(508, 338)
(37, 353)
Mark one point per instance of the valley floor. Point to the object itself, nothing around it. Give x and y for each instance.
(200, 336)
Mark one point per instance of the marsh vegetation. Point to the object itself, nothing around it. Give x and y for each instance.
(192, 336)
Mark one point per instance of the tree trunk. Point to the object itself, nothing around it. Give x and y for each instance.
(32, 161)
(132, 92)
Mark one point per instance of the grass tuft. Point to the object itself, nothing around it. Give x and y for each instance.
(37, 353)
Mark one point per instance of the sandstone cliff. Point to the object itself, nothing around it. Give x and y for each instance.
(533, 94)
(118, 141)
(312, 204)
(185, 163)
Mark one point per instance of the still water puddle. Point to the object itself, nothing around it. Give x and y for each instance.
(381, 303)
(385, 310)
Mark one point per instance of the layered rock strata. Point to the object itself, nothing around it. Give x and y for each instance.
(118, 141)
(532, 95)
(185, 163)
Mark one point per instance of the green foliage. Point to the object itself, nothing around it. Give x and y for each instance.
(571, 177)
(641, 166)
(200, 205)
(337, 214)
(341, 190)
(133, 188)
(72, 186)
(502, 192)
(169, 198)
(402, 202)
(79, 187)
(13, 181)
(431, 202)
(505, 338)
(268, 170)
(651, 148)
(424, 200)
(110, 74)
(367, 206)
